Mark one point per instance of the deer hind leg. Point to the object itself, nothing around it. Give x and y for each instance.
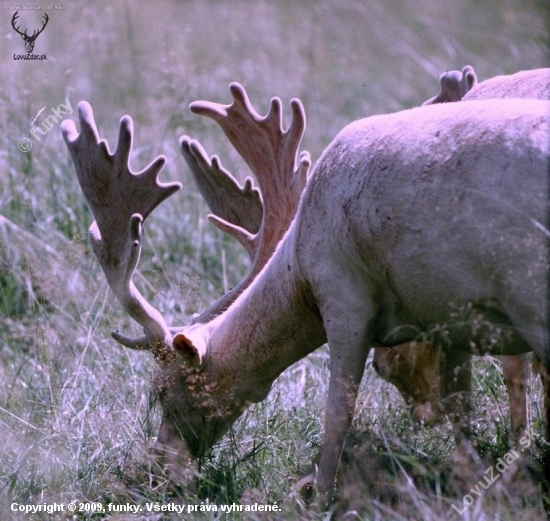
(515, 373)
(543, 370)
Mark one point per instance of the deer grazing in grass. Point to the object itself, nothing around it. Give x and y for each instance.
(414, 368)
(371, 255)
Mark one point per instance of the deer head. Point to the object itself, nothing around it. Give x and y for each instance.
(256, 216)
(29, 40)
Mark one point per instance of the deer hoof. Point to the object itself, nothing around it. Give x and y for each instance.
(306, 488)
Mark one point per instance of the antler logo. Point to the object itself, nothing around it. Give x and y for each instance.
(29, 40)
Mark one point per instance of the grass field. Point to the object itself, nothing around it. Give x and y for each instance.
(77, 420)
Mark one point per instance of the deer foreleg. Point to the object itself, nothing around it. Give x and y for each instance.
(348, 323)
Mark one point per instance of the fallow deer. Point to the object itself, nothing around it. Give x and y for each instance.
(464, 85)
(414, 368)
(372, 256)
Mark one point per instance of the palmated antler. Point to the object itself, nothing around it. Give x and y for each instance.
(257, 221)
(236, 210)
(120, 201)
(454, 85)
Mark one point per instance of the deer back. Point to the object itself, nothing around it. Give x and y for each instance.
(439, 207)
(524, 84)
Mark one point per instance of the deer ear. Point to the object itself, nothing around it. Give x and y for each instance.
(191, 349)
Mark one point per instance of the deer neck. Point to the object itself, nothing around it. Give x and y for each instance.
(272, 324)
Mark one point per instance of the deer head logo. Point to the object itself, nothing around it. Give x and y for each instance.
(29, 40)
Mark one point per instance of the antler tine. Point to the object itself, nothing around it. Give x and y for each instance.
(14, 20)
(469, 78)
(271, 154)
(36, 32)
(246, 129)
(120, 201)
(236, 210)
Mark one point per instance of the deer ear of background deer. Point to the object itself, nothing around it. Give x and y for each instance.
(190, 347)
